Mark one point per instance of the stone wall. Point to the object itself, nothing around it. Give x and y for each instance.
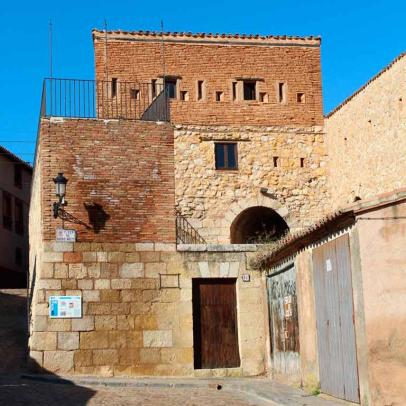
(132, 324)
(120, 179)
(219, 61)
(366, 138)
(211, 199)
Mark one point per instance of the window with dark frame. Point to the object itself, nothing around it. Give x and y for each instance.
(18, 176)
(7, 211)
(18, 216)
(226, 155)
(170, 87)
(250, 90)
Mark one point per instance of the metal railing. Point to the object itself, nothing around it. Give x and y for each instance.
(186, 233)
(77, 98)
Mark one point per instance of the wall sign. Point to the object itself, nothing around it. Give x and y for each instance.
(65, 307)
(64, 235)
(246, 277)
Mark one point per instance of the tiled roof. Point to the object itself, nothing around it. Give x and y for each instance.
(329, 224)
(403, 54)
(211, 36)
(9, 155)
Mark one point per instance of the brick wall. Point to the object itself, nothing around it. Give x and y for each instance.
(366, 139)
(218, 62)
(120, 179)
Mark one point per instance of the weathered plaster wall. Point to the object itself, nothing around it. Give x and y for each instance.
(382, 241)
(366, 139)
(211, 199)
(131, 326)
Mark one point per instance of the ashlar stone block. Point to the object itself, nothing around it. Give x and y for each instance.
(157, 338)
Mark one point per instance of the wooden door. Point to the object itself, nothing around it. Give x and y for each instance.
(215, 330)
(335, 320)
(283, 322)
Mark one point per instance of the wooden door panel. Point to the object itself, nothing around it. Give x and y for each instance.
(215, 323)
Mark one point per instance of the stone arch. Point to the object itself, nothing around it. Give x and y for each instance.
(255, 224)
(261, 201)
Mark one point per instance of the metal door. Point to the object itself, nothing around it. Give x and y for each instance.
(215, 331)
(283, 322)
(335, 319)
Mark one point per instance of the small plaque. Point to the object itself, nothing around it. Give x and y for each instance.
(64, 235)
(245, 277)
(65, 307)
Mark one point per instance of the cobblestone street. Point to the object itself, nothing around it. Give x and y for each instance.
(239, 392)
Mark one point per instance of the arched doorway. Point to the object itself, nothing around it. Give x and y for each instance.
(257, 224)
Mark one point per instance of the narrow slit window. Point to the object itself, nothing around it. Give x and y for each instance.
(135, 94)
(184, 95)
(200, 90)
(300, 97)
(302, 162)
(153, 88)
(219, 96)
(249, 90)
(281, 92)
(234, 90)
(226, 155)
(113, 87)
(275, 161)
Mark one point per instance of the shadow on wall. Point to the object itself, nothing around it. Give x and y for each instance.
(97, 216)
(12, 279)
(44, 389)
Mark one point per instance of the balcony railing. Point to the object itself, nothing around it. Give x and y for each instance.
(76, 98)
(186, 233)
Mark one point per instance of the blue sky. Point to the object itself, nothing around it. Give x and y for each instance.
(359, 38)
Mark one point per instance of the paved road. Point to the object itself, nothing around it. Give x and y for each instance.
(16, 391)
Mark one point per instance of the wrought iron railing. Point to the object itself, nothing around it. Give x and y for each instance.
(77, 98)
(186, 233)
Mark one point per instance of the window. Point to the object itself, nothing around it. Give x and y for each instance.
(219, 96)
(200, 90)
(234, 90)
(226, 155)
(300, 97)
(153, 88)
(113, 87)
(18, 256)
(135, 94)
(302, 162)
(281, 92)
(263, 97)
(170, 87)
(249, 90)
(18, 176)
(275, 161)
(7, 215)
(19, 216)
(184, 95)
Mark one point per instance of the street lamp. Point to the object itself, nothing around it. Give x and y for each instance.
(60, 190)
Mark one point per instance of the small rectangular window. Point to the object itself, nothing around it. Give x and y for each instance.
(135, 94)
(219, 96)
(200, 90)
(302, 162)
(170, 87)
(281, 92)
(234, 90)
(184, 95)
(113, 87)
(263, 97)
(18, 176)
(18, 216)
(226, 155)
(249, 90)
(7, 211)
(275, 161)
(300, 97)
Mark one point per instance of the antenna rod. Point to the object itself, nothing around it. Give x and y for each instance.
(50, 49)
(105, 51)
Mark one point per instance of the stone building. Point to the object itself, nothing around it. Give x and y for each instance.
(368, 156)
(254, 98)
(15, 186)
